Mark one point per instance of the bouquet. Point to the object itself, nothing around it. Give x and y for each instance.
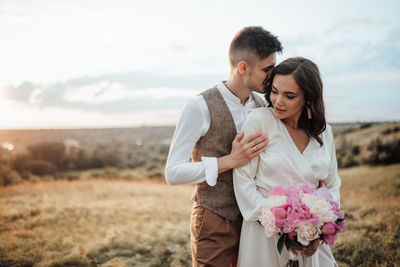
(301, 214)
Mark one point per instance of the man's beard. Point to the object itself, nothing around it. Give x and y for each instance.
(253, 88)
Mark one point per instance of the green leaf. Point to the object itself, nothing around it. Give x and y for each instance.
(288, 243)
(281, 241)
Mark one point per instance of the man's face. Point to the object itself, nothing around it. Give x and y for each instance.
(259, 72)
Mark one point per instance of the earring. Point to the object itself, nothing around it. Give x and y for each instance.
(309, 116)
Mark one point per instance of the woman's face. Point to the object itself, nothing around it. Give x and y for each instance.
(287, 98)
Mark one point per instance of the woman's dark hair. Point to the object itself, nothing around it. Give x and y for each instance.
(307, 77)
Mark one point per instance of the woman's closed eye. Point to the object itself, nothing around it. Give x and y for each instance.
(290, 96)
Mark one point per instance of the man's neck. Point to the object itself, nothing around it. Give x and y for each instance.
(239, 91)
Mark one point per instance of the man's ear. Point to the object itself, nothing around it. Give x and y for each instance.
(243, 67)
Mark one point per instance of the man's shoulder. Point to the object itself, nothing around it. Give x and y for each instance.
(208, 91)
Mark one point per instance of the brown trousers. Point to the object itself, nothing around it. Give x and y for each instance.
(214, 240)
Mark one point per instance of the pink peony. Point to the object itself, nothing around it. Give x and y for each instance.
(277, 191)
(306, 188)
(279, 212)
(330, 239)
(296, 213)
(336, 210)
(293, 199)
(292, 235)
(323, 193)
(340, 226)
(329, 228)
(280, 222)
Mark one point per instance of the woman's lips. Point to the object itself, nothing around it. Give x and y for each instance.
(278, 110)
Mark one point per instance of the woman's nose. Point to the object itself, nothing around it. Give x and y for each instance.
(278, 100)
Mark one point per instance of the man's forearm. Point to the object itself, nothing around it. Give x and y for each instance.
(225, 163)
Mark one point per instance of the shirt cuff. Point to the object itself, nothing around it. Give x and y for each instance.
(210, 169)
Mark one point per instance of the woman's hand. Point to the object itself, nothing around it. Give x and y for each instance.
(295, 249)
(309, 250)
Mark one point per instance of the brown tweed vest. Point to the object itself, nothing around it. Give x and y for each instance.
(217, 142)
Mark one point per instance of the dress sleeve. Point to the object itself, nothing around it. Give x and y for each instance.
(250, 200)
(333, 180)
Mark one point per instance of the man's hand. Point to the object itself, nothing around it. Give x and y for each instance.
(243, 151)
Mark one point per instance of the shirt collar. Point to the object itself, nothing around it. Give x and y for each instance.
(229, 96)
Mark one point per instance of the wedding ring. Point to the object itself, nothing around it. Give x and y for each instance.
(253, 148)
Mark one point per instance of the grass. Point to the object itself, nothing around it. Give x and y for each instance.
(95, 222)
(370, 200)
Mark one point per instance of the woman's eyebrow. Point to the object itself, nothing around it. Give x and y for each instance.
(287, 92)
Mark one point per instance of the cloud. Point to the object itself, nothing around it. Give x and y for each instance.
(115, 93)
(361, 77)
(350, 46)
(367, 22)
(20, 93)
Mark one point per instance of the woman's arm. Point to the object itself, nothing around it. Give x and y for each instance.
(250, 201)
(333, 180)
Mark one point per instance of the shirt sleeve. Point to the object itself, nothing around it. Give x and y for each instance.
(190, 128)
(249, 199)
(333, 180)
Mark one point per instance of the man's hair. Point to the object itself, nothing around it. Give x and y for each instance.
(253, 43)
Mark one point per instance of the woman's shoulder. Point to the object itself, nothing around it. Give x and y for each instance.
(260, 118)
(262, 112)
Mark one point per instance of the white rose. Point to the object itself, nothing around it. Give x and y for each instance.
(268, 221)
(320, 208)
(307, 232)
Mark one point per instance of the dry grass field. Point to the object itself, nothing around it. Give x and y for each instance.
(146, 223)
(94, 223)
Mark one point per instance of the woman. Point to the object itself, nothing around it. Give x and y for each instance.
(300, 149)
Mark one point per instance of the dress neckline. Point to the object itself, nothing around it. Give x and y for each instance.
(290, 139)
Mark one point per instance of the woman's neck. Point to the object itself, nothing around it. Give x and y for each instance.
(291, 123)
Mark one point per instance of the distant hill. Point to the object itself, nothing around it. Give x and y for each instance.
(368, 143)
(57, 153)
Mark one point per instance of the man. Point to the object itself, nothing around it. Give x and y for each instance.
(207, 132)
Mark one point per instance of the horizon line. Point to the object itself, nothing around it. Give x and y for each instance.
(159, 125)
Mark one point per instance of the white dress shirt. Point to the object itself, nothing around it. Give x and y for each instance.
(193, 124)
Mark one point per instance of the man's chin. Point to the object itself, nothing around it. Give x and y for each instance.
(257, 90)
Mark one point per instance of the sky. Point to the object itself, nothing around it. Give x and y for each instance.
(86, 64)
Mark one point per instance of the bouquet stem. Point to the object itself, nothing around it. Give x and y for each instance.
(292, 263)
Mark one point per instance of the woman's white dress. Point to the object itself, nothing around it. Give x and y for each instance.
(281, 164)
